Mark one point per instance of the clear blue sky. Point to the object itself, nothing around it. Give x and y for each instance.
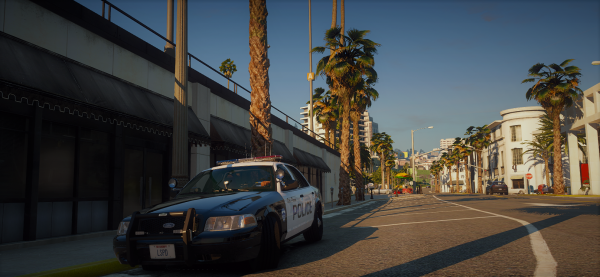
(449, 64)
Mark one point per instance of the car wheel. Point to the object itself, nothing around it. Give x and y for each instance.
(270, 245)
(315, 232)
(153, 267)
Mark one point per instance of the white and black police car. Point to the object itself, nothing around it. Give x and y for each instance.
(241, 210)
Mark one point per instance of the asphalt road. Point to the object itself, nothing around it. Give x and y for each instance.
(444, 235)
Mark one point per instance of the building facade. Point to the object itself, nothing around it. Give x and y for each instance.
(583, 118)
(445, 143)
(366, 127)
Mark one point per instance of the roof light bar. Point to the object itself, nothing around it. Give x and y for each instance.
(274, 158)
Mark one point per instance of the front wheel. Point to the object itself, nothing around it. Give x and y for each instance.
(270, 245)
(315, 232)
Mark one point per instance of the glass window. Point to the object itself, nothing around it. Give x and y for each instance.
(57, 160)
(94, 164)
(13, 156)
(299, 176)
(517, 154)
(231, 179)
(289, 179)
(515, 133)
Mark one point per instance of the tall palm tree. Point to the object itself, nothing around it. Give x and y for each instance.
(464, 153)
(541, 146)
(381, 143)
(325, 110)
(479, 138)
(360, 101)
(260, 100)
(447, 162)
(346, 69)
(556, 88)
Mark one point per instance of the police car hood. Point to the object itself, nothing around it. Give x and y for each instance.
(233, 201)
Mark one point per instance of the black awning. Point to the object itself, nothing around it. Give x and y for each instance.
(279, 148)
(307, 159)
(62, 82)
(235, 137)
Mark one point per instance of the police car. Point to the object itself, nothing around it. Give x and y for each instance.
(241, 210)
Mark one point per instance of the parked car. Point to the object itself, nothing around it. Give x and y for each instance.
(241, 210)
(496, 187)
(546, 189)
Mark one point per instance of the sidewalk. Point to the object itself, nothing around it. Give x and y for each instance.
(84, 255)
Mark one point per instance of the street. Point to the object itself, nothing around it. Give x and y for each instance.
(443, 235)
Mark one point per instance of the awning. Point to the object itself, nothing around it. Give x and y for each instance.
(460, 182)
(236, 139)
(517, 177)
(56, 82)
(307, 159)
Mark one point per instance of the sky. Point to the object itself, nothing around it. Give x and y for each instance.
(447, 64)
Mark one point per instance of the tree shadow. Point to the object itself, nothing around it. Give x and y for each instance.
(480, 198)
(466, 251)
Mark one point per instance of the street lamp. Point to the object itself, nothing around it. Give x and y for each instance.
(412, 138)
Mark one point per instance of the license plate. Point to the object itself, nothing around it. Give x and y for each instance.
(162, 251)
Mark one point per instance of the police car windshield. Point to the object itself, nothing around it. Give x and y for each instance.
(231, 179)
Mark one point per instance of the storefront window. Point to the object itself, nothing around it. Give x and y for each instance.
(94, 164)
(57, 160)
(13, 156)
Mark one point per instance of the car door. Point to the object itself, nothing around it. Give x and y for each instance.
(291, 195)
(307, 198)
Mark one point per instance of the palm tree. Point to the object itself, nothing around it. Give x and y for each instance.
(446, 160)
(464, 153)
(556, 88)
(360, 101)
(345, 69)
(381, 143)
(228, 68)
(541, 146)
(260, 100)
(479, 138)
(325, 110)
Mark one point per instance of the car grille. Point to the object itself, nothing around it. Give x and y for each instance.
(155, 225)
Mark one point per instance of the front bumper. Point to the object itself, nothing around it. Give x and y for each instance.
(193, 247)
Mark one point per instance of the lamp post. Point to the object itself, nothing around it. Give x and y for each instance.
(412, 138)
(310, 75)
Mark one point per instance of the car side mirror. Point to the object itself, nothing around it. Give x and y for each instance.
(279, 176)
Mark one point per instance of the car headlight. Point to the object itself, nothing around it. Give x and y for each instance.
(227, 223)
(123, 228)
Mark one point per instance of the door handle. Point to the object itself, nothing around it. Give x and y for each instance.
(141, 191)
(149, 190)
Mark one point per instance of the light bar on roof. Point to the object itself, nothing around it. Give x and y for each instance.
(274, 158)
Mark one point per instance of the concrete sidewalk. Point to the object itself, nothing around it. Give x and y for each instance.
(70, 255)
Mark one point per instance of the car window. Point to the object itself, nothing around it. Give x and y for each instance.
(299, 176)
(231, 179)
(288, 179)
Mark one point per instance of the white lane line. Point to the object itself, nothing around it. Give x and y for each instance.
(414, 213)
(331, 215)
(551, 205)
(546, 265)
(417, 222)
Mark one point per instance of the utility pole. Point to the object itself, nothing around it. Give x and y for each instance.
(311, 74)
(180, 130)
(170, 48)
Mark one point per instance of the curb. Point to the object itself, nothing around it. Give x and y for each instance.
(25, 244)
(99, 268)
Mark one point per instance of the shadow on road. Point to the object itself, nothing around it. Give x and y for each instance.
(463, 252)
(478, 197)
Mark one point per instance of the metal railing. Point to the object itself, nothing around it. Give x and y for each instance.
(190, 56)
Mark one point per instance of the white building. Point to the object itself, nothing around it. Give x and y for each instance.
(583, 118)
(366, 127)
(445, 143)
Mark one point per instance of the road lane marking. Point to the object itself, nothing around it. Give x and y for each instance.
(414, 213)
(431, 221)
(551, 205)
(546, 265)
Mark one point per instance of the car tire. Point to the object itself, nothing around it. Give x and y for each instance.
(315, 231)
(270, 245)
(153, 267)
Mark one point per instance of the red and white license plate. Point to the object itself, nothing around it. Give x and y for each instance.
(162, 251)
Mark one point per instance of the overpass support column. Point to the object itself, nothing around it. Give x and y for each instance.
(180, 127)
(169, 48)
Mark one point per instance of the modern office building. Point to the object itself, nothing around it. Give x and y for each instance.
(366, 125)
(445, 143)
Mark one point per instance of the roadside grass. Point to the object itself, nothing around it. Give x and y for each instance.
(99, 268)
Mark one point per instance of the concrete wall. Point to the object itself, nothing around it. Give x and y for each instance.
(30, 22)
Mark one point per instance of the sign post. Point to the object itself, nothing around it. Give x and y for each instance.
(529, 176)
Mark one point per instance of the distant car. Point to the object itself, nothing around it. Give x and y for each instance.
(241, 210)
(496, 187)
(546, 190)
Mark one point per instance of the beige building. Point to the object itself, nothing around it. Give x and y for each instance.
(445, 143)
(583, 118)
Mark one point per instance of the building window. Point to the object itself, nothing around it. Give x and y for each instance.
(13, 156)
(517, 154)
(518, 184)
(515, 133)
